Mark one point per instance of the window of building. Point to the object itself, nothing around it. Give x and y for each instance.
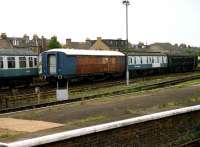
(1, 62)
(11, 62)
(27, 40)
(22, 62)
(30, 61)
(35, 61)
(15, 42)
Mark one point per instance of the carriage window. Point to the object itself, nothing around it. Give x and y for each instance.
(165, 59)
(22, 62)
(1, 62)
(11, 62)
(150, 60)
(138, 60)
(133, 60)
(160, 59)
(144, 59)
(155, 59)
(30, 61)
(35, 61)
(130, 60)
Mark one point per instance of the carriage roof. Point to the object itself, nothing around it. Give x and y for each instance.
(87, 52)
(146, 54)
(17, 52)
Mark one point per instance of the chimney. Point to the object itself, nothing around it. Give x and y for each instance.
(3, 35)
(26, 39)
(68, 41)
(44, 43)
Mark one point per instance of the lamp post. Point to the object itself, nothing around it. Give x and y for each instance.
(126, 3)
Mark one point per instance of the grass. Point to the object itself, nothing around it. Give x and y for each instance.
(128, 89)
(188, 83)
(5, 134)
(87, 120)
(107, 91)
(130, 111)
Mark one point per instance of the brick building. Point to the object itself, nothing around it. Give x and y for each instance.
(108, 44)
(78, 45)
(37, 44)
(99, 43)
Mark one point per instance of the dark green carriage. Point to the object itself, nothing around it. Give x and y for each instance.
(182, 63)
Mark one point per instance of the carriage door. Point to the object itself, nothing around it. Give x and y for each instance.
(52, 64)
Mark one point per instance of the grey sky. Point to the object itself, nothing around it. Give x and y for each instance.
(149, 20)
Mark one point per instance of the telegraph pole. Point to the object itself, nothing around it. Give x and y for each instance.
(126, 3)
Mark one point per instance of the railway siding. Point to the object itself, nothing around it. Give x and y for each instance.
(30, 101)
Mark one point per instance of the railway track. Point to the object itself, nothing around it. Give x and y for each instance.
(146, 86)
(45, 87)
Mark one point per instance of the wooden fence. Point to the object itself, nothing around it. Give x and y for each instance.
(14, 101)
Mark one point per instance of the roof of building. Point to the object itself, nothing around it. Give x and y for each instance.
(87, 52)
(4, 43)
(17, 52)
(81, 45)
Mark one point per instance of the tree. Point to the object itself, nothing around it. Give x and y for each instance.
(54, 43)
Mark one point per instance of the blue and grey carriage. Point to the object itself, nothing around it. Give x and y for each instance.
(17, 66)
(145, 63)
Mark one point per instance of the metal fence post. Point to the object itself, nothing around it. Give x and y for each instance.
(37, 91)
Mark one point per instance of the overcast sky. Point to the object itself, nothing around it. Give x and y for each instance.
(174, 21)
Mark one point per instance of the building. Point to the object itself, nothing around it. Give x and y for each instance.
(108, 44)
(159, 47)
(100, 44)
(4, 42)
(36, 44)
(77, 45)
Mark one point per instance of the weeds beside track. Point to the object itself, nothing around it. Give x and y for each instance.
(47, 98)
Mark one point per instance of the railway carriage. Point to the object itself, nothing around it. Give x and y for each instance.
(60, 64)
(145, 63)
(17, 66)
(182, 63)
(67, 64)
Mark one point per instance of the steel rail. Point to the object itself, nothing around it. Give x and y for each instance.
(115, 93)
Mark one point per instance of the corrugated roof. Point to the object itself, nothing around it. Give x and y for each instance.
(87, 52)
(17, 52)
